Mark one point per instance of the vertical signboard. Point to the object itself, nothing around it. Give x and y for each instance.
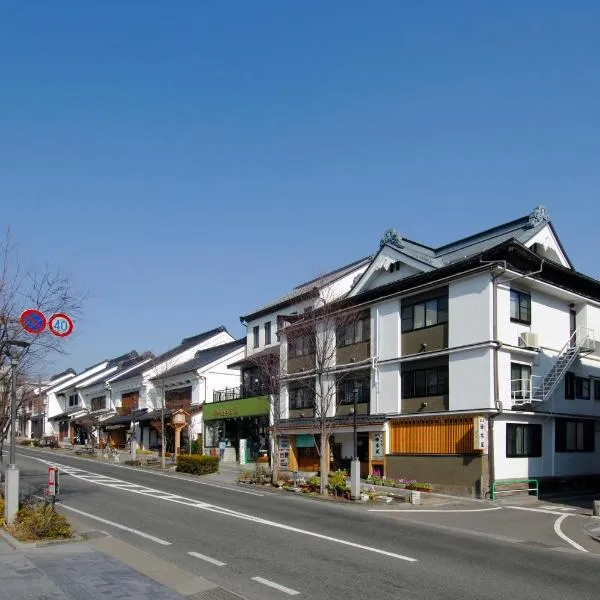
(52, 481)
(480, 437)
(284, 450)
(243, 443)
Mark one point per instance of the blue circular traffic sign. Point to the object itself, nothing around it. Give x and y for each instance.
(33, 321)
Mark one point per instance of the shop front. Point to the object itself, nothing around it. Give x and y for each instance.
(233, 420)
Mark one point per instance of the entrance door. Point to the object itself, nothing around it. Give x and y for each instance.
(573, 322)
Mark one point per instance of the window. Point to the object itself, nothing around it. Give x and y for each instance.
(301, 398)
(425, 382)
(99, 403)
(301, 345)
(255, 334)
(596, 389)
(520, 381)
(523, 440)
(424, 314)
(520, 307)
(267, 333)
(574, 435)
(570, 386)
(354, 333)
(582, 388)
(73, 400)
(357, 386)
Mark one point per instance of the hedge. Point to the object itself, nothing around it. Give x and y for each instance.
(197, 464)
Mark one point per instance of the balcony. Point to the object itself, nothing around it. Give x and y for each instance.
(244, 391)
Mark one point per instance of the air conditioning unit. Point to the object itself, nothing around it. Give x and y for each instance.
(530, 340)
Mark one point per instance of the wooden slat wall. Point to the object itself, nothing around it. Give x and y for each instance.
(447, 435)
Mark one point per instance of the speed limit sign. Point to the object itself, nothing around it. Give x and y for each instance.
(60, 325)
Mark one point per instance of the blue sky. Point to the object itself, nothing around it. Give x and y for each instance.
(189, 161)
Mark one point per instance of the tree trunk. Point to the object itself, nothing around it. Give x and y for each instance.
(324, 456)
(275, 457)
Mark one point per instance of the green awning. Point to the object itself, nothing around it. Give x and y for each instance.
(243, 407)
(305, 440)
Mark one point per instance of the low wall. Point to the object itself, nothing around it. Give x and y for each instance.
(461, 474)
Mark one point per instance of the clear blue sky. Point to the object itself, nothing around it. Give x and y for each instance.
(187, 161)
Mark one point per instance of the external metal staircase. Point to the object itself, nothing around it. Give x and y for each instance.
(581, 342)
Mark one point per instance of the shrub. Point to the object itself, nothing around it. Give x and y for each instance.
(337, 482)
(417, 485)
(35, 443)
(40, 522)
(25, 443)
(133, 463)
(314, 483)
(262, 459)
(197, 464)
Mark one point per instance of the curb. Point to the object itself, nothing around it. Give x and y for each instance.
(17, 545)
(593, 528)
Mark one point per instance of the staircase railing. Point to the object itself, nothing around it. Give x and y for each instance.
(581, 341)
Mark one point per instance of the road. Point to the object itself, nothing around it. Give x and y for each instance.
(270, 546)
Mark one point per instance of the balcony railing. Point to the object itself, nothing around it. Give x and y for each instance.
(244, 391)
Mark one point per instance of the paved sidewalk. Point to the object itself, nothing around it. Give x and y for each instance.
(73, 572)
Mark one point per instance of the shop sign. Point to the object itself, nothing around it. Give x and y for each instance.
(305, 440)
(377, 448)
(284, 449)
(243, 407)
(480, 434)
(243, 451)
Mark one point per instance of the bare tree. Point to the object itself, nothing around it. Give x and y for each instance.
(313, 335)
(45, 289)
(269, 374)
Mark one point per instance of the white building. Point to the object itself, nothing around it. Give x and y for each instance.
(470, 363)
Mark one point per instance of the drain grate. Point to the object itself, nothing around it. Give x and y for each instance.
(217, 593)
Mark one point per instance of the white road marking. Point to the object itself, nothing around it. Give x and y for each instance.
(191, 502)
(277, 586)
(117, 525)
(432, 510)
(562, 535)
(155, 473)
(539, 510)
(213, 561)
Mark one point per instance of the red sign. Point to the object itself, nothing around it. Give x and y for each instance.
(52, 481)
(33, 321)
(60, 325)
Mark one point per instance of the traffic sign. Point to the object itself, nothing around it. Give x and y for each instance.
(52, 481)
(60, 325)
(33, 321)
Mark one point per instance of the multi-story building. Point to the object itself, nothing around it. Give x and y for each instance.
(469, 363)
(245, 410)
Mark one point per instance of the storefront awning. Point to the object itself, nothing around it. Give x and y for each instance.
(243, 407)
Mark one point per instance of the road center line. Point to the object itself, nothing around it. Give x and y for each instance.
(277, 586)
(193, 503)
(563, 536)
(212, 561)
(117, 525)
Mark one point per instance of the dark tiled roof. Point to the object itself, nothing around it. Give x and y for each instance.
(185, 344)
(307, 289)
(127, 364)
(205, 357)
(59, 375)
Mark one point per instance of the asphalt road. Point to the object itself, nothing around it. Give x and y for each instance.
(248, 541)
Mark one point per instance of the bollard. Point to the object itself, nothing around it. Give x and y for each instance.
(415, 497)
(597, 508)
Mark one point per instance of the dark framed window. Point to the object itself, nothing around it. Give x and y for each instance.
(359, 387)
(582, 388)
(569, 386)
(354, 333)
(301, 397)
(425, 382)
(520, 307)
(523, 440)
(73, 400)
(301, 345)
(520, 381)
(574, 435)
(596, 389)
(267, 333)
(427, 313)
(99, 403)
(255, 336)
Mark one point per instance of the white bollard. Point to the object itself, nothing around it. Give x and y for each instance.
(11, 493)
(355, 479)
(597, 508)
(415, 497)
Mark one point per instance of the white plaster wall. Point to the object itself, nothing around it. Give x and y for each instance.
(546, 238)
(388, 397)
(385, 329)
(550, 464)
(471, 381)
(549, 318)
(383, 276)
(470, 311)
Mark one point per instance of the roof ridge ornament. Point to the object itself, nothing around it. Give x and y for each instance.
(539, 215)
(391, 237)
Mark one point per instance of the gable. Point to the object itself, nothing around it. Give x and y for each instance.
(391, 264)
(546, 243)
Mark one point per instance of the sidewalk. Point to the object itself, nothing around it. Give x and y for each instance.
(73, 572)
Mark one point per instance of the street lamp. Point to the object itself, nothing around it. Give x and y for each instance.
(355, 465)
(14, 350)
